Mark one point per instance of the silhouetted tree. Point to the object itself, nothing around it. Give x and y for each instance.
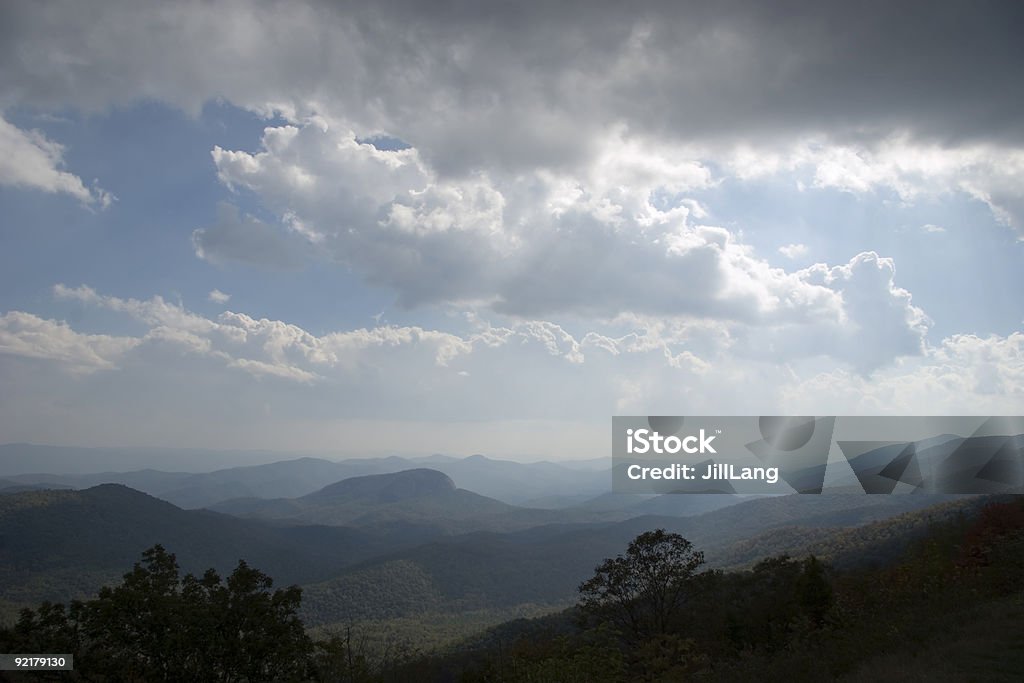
(642, 591)
(157, 626)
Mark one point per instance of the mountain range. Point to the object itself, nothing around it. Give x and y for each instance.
(396, 544)
(511, 482)
(408, 543)
(546, 563)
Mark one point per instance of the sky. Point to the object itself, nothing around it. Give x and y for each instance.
(483, 227)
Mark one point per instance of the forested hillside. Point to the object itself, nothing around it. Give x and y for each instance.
(947, 607)
(63, 544)
(652, 609)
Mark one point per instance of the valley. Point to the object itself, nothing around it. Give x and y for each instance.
(408, 551)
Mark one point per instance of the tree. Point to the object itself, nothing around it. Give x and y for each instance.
(814, 591)
(135, 630)
(263, 637)
(158, 626)
(49, 629)
(642, 591)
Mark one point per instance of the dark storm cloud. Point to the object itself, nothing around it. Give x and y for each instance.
(514, 85)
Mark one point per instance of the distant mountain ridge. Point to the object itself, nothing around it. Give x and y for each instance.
(430, 499)
(387, 488)
(417, 496)
(27, 458)
(402, 542)
(510, 482)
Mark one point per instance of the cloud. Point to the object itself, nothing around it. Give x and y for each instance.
(793, 251)
(259, 368)
(27, 335)
(881, 322)
(203, 375)
(218, 297)
(932, 229)
(155, 312)
(245, 239)
(263, 347)
(537, 87)
(911, 168)
(678, 69)
(28, 159)
(964, 375)
(618, 238)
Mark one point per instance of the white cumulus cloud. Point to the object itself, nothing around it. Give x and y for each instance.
(29, 159)
(793, 251)
(218, 297)
(25, 334)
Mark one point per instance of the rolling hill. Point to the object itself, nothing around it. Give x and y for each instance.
(406, 543)
(429, 498)
(510, 482)
(60, 544)
(545, 564)
(416, 496)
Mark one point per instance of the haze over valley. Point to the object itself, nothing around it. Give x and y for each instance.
(392, 538)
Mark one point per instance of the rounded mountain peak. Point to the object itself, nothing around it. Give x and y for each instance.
(388, 488)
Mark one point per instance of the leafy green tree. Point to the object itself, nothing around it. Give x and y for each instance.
(642, 591)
